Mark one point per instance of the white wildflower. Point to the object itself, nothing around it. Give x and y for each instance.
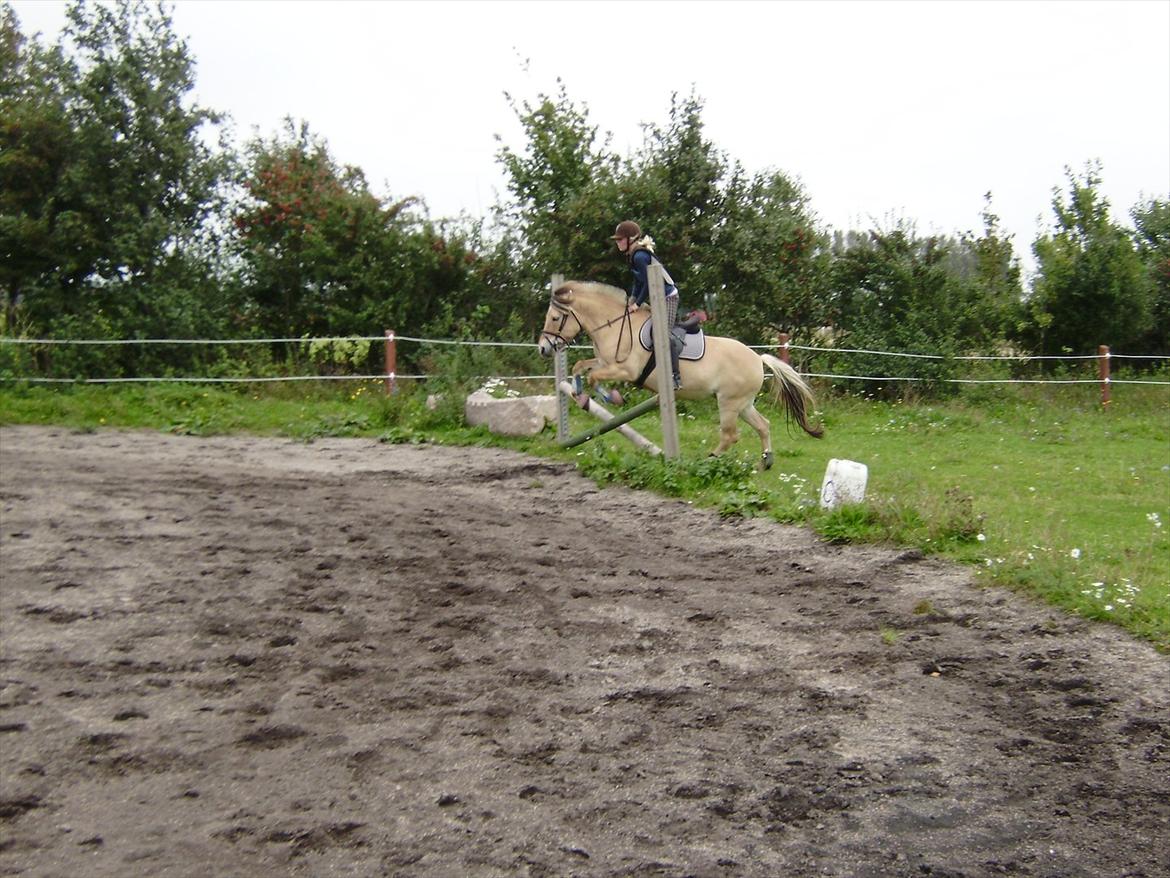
(1075, 554)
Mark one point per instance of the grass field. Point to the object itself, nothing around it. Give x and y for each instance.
(1039, 489)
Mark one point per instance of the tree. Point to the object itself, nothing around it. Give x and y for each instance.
(989, 265)
(322, 255)
(107, 179)
(1090, 287)
(1152, 232)
(895, 291)
(744, 247)
(301, 223)
(680, 178)
(35, 146)
(555, 180)
(769, 261)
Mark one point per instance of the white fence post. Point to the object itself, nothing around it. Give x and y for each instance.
(662, 362)
(561, 370)
(391, 363)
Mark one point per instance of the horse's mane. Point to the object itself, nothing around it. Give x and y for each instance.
(585, 286)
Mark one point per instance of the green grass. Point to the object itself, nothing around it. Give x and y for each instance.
(1037, 488)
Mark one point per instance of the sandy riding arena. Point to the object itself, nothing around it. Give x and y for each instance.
(239, 656)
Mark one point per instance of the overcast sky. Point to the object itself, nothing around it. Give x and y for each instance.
(883, 110)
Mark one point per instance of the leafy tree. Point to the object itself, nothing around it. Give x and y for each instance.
(35, 146)
(1152, 224)
(895, 291)
(680, 179)
(551, 226)
(742, 247)
(769, 262)
(108, 181)
(322, 255)
(1090, 287)
(302, 220)
(990, 268)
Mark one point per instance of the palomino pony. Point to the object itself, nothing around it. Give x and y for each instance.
(729, 369)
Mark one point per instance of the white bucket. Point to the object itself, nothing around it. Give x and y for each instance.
(844, 483)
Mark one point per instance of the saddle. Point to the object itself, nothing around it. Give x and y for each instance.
(686, 336)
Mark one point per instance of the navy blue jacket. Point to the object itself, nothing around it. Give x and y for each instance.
(640, 291)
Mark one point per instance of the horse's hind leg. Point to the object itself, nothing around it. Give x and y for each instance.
(760, 424)
(728, 430)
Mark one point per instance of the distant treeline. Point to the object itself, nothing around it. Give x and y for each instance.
(126, 212)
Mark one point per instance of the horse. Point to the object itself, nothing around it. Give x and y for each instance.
(728, 369)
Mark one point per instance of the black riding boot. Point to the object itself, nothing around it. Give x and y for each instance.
(676, 346)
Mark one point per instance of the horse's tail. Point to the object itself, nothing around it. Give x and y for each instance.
(791, 391)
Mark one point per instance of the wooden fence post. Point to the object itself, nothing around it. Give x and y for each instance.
(391, 363)
(1103, 370)
(783, 339)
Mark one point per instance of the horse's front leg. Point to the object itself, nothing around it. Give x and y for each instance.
(584, 366)
(611, 372)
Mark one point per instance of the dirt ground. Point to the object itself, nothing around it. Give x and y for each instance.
(239, 656)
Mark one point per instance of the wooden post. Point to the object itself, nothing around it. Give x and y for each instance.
(391, 363)
(561, 373)
(1103, 369)
(783, 338)
(662, 362)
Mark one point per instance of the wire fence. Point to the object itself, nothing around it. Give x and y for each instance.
(390, 375)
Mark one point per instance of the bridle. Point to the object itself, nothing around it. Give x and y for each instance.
(560, 341)
(557, 338)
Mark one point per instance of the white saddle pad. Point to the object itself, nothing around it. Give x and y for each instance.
(693, 348)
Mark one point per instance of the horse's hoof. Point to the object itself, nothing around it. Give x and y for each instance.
(767, 461)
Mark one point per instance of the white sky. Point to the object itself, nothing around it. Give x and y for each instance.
(883, 110)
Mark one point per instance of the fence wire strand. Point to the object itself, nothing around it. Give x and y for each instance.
(391, 337)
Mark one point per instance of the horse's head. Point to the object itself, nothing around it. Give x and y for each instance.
(578, 306)
(561, 324)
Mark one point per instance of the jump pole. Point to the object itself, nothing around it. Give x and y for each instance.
(609, 421)
(662, 361)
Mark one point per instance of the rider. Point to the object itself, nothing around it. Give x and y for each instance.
(639, 250)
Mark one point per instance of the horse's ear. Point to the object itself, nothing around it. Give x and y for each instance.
(563, 294)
